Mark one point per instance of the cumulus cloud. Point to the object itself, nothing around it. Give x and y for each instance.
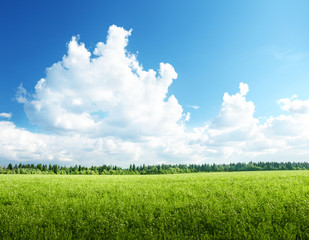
(237, 135)
(104, 108)
(294, 105)
(234, 135)
(294, 124)
(106, 93)
(236, 112)
(229, 134)
(5, 115)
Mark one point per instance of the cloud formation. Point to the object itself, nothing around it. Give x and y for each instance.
(5, 115)
(104, 108)
(106, 93)
(237, 135)
(20, 145)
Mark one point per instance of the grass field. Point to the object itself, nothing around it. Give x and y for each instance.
(243, 205)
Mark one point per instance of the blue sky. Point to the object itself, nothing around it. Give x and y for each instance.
(212, 45)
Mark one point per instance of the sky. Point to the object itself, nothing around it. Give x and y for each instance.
(152, 82)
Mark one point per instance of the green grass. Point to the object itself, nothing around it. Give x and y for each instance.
(243, 205)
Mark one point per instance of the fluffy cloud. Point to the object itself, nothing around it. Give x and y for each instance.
(237, 135)
(104, 94)
(292, 125)
(234, 135)
(104, 108)
(228, 136)
(21, 145)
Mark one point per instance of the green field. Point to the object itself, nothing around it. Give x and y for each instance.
(242, 205)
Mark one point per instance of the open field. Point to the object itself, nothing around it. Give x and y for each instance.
(243, 205)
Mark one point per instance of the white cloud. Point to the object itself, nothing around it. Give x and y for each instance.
(294, 105)
(104, 108)
(236, 112)
(5, 115)
(21, 145)
(108, 94)
(236, 135)
(244, 89)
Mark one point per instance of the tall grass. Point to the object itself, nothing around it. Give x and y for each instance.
(255, 205)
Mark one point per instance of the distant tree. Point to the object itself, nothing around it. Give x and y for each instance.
(39, 166)
(10, 167)
(289, 166)
(44, 168)
(55, 169)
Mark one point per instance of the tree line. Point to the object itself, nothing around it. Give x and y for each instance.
(150, 169)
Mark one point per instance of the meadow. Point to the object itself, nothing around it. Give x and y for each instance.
(239, 205)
